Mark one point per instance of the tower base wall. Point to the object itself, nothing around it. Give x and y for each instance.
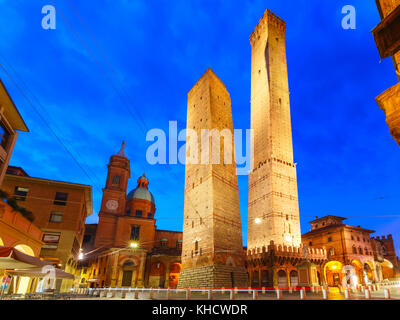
(215, 276)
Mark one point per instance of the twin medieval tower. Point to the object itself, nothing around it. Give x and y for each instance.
(212, 253)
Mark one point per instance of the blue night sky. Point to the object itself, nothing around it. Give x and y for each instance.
(347, 160)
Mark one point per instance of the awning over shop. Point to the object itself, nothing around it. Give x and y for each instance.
(11, 258)
(41, 272)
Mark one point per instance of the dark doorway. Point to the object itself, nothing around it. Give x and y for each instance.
(127, 278)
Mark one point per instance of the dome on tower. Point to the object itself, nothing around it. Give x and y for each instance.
(142, 192)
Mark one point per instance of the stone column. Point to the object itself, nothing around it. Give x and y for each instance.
(167, 269)
(141, 270)
(288, 278)
(114, 271)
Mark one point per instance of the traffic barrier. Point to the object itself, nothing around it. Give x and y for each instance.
(387, 293)
(232, 295)
(255, 294)
(188, 294)
(347, 293)
(168, 294)
(151, 294)
(324, 294)
(210, 294)
(367, 294)
(278, 294)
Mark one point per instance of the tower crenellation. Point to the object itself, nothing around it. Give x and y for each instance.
(269, 18)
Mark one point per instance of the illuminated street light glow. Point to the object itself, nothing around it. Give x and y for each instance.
(288, 238)
(257, 220)
(133, 245)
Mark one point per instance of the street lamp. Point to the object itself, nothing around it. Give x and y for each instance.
(80, 255)
(133, 244)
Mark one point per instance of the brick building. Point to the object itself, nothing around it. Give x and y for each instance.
(385, 255)
(59, 209)
(125, 249)
(352, 248)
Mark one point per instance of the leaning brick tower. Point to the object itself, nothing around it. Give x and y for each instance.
(212, 252)
(273, 210)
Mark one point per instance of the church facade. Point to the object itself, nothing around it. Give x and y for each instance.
(125, 249)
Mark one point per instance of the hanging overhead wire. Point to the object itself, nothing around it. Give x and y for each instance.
(46, 122)
(47, 113)
(139, 120)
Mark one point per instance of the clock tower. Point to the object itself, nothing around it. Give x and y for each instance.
(114, 197)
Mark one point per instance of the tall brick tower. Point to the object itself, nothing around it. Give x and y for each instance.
(212, 253)
(273, 209)
(114, 198)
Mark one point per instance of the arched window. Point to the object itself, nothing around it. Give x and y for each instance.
(354, 249)
(164, 242)
(196, 248)
(360, 250)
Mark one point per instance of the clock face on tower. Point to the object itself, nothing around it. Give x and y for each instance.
(112, 204)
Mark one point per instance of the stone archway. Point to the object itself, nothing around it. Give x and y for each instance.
(368, 273)
(333, 273)
(282, 279)
(294, 278)
(174, 272)
(388, 271)
(128, 273)
(265, 280)
(359, 271)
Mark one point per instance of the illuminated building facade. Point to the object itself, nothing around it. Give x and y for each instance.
(387, 38)
(370, 259)
(59, 210)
